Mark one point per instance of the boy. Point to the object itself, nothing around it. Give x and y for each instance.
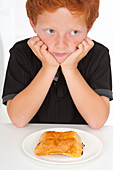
(60, 75)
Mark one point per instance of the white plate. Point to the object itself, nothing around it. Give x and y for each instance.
(93, 147)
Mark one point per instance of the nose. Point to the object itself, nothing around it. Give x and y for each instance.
(61, 44)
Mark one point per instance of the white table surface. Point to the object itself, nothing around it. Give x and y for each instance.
(12, 156)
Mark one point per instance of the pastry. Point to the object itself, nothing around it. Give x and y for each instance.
(67, 143)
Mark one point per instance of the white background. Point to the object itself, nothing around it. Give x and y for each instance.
(14, 26)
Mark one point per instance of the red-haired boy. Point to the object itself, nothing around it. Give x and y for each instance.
(60, 75)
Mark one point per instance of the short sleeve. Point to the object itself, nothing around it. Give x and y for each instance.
(101, 78)
(17, 74)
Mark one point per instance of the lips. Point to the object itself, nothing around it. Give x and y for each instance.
(60, 54)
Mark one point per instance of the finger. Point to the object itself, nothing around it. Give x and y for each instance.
(90, 42)
(38, 45)
(80, 46)
(33, 40)
(86, 46)
(36, 49)
(78, 52)
(83, 49)
(43, 50)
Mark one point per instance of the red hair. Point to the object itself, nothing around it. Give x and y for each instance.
(88, 8)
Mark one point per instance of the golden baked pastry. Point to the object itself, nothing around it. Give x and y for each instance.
(67, 143)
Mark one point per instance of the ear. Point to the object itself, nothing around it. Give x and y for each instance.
(31, 23)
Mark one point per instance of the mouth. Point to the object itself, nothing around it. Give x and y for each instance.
(60, 54)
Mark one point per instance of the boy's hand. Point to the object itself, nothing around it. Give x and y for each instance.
(72, 60)
(40, 50)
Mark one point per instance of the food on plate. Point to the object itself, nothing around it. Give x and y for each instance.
(66, 143)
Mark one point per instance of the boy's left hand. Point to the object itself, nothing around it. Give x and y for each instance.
(72, 60)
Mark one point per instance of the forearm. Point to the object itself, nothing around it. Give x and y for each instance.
(25, 104)
(90, 105)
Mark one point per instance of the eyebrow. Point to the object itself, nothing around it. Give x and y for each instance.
(51, 27)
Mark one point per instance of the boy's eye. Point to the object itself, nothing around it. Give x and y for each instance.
(50, 31)
(74, 32)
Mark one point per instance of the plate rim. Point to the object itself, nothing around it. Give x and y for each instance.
(64, 129)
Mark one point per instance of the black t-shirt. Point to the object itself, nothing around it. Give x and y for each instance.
(58, 106)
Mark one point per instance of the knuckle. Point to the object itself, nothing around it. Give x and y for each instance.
(29, 42)
(36, 48)
(92, 43)
(43, 47)
(40, 43)
(85, 44)
(33, 40)
(82, 47)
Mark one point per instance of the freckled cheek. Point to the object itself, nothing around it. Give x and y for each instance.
(78, 40)
(43, 38)
(46, 40)
(49, 42)
(74, 43)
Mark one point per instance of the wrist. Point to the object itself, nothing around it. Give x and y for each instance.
(69, 66)
(52, 69)
(69, 69)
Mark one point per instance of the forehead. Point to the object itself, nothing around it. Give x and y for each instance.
(60, 17)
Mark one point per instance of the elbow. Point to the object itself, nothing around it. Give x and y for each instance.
(99, 122)
(95, 126)
(18, 122)
(17, 119)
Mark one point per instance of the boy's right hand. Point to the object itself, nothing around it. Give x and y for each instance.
(40, 50)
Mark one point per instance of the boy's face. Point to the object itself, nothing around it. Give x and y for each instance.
(61, 32)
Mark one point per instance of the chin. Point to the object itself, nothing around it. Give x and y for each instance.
(60, 59)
